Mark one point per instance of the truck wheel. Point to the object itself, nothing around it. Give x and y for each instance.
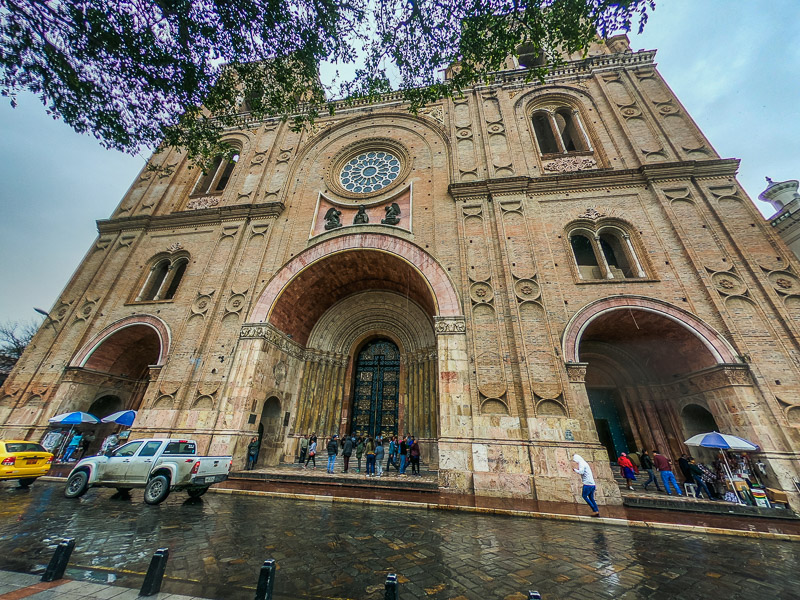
(77, 484)
(156, 490)
(23, 483)
(197, 492)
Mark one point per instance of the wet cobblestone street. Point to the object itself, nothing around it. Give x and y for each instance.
(218, 543)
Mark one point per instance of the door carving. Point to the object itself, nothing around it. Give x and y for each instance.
(377, 389)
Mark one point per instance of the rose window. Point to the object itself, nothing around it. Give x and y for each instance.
(369, 172)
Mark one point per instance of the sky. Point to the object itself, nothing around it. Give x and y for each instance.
(732, 63)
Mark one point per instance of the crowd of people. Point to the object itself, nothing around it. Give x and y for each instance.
(370, 452)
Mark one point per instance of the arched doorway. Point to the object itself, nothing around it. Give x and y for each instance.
(112, 371)
(645, 362)
(103, 406)
(269, 433)
(376, 390)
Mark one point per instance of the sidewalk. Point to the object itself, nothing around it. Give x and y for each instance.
(15, 586)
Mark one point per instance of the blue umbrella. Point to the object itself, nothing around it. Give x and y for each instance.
(123, 417)
(721, 440)
(74, 418)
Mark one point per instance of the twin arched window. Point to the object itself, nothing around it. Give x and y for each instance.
(559, 131)
(163, 279)
(214, 180)
(604, 252)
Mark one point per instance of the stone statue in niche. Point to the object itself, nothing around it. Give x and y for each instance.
(361, 216)
(392, 214)
(332, 218)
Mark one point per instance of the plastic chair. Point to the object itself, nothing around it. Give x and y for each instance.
(690, 488)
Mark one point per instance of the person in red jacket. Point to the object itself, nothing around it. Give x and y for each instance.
(627, 469)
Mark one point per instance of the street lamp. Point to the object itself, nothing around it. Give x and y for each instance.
(46, 315)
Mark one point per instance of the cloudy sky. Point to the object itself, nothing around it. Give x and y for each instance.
(732, 63)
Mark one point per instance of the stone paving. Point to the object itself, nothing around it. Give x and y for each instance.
(325, 550)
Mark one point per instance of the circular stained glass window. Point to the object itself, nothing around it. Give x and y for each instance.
(369, 172)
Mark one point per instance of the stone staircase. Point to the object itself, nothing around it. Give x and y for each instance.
(427, 481)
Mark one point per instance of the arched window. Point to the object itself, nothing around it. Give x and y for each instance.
(216, 178)
(604, 252)
(559, 131)
(163, 279)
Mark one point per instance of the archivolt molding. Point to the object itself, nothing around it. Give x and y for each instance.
(715, 343)
(159, 326)
(443, 292)
(373, 311)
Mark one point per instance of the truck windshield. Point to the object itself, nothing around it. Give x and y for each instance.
(180, 448)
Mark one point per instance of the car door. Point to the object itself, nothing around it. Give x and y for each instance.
(118, 462)
(141, 464)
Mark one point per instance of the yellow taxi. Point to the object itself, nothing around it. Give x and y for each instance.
(23, 460)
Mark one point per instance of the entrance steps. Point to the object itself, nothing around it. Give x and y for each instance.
(652, 498)
(427, 481)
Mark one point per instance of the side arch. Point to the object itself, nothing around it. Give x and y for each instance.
(160, 327)
(715, 343)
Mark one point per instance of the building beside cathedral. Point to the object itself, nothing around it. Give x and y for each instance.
(514, 276)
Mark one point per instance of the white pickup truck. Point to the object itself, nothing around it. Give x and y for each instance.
(157, 465)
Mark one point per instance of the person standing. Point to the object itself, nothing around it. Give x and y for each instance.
(686, 471)
(647, 465)
(379, 453)
(663, 465)
(333, 451)
(403, 456)
(414, 453)
(391, 461)
(303, 448)
(359, 452)
(347, 451)
(589, 485)
(697, 476)
(369, 448)
(627, 469)
(312, 453)
(86, 442)
(72, 446)
(252, 453)
(109, 443)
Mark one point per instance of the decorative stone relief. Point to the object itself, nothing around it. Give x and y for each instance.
(434, 112)
(449, 325)
(203, 402)
(202, 303)
(203, 202)
(526, 290)
(236, 302)
(279, 372)
(728, 284)
(551, 408)
(576, 372)
(494, 406)
(126, 240)
(86, 309)
(569, 164)
(102, 243)
(60, 311)
(229, 231)
(784, 282)
(274, 337)
(174, 247)
(284, 155)
(481, 291)
(592, 213)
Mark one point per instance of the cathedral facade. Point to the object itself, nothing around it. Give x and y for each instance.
(525, 272)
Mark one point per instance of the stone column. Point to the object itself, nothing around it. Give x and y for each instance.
(455, 406)
(589, 448)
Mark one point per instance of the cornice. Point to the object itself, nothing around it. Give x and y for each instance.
(596, 178)
(192, 218)
(570, 69)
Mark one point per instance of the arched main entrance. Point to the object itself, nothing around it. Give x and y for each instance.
(376, 389)
(269, 429)
(354, 318)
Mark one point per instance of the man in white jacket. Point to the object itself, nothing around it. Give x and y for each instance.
(588, 482)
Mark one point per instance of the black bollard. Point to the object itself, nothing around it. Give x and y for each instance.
(534, 596)
(392, 588)
(155, 573)
(58, 564)
(266, 580)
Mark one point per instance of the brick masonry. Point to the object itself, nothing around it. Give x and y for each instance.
(502, 331)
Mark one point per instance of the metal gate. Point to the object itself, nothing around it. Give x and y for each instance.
(377, 389)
